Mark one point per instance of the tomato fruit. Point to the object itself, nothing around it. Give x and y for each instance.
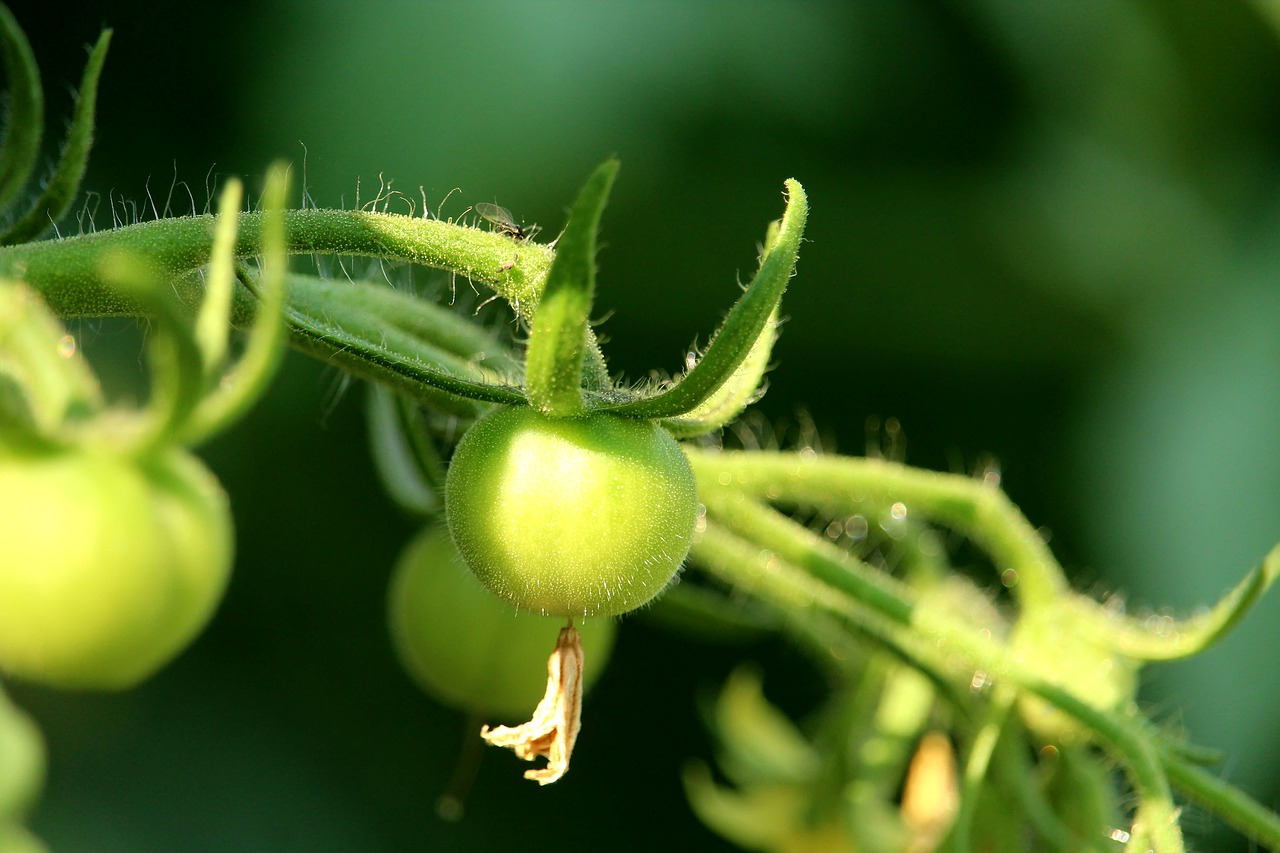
(581, 516)
(109, 565)
(468, 648)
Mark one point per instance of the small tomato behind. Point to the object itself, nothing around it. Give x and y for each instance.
(468, 648)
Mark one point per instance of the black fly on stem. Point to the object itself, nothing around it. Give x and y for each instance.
(503, 222)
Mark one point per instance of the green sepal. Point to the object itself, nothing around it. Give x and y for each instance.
(238, 389)
(177, 368)
(733, 343)
(558, 340)
(740, 390)
(446, 329)
(760, 743)
(340, 323)
(213, 321)
(47, 383)
(1163, 638)
(20, 147)
(1080, 785)
(63, 185)
(404, 456)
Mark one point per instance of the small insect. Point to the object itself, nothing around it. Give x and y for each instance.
(503, 222)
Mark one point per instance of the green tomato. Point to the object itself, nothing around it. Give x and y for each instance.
(582, 516)
(15, 839)
(21, 762)
(468, 648)
(108, 565)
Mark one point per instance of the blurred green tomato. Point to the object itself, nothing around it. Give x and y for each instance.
(21, 763)
(108, 565)
(468, 648)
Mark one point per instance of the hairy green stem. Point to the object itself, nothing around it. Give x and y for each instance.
(975, 770)
(1231, 804)
(979, 510)
(799, 545)
(69, 271)
(803, 578)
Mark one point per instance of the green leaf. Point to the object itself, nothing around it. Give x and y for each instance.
(558, 340)
(63, 185)
(741, 331)
(758, 818)
(21, 143)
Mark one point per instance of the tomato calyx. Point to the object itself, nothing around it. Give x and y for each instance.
(115, 541)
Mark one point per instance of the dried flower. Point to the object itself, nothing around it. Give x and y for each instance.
(554, 727)
(930, 795)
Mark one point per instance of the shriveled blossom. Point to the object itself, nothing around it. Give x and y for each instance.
(554, 727)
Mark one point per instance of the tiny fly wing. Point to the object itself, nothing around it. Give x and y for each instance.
(498, 215)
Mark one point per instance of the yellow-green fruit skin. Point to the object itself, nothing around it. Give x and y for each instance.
(571, 517)
(469, 649)
(109, 565)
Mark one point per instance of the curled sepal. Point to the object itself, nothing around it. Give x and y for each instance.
(177, 370)
(740, 390)
(404, 455)
(21, 144)
(756, 818)
(61, 190)
(559, 339)
(760, 743)
(44, 381)
(736, 338)
(238, 388)
(1165, 638)
(213, 321)
(553, 730)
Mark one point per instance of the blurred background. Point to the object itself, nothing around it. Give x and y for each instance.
(1044, 233)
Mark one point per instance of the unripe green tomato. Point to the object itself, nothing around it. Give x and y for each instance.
(468, 648)
(581, 516)
(108, 565)
(16, 839)
(21, 762)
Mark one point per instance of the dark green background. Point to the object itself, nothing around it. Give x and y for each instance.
(1045, 232)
